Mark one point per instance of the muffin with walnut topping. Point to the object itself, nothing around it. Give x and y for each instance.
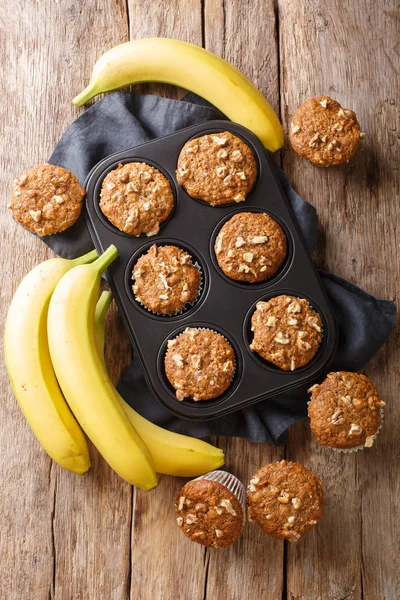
(287, 332)
(218, 168)
(165, 279)
(199, 364)
(345, 411)
(250, 247)
(210, 509)
(324, 132)
(285, 500)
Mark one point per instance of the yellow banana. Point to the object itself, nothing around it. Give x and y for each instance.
(193, 68)
(173, 454)
(83, 378)
(31, 372)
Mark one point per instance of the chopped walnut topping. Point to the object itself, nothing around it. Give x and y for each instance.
(313, 322)
(219, 140)
(314, 387)
(192, 149)
(291, 520)
(199, 534)
(314, 141)
(259, 239)
(292, 364)
(362, 135)
(239, 242)
(248, 256)
(272, 321)
(261, 305)
(337, 417)
(344, 113)
(219, 533)
(179, 520)
(163, 296)
(190, 519)
(222, 153)
(181, 502)
(294, 307)
(171, 343)
(218, 510)
(283, 499)
(178, 360)
(221, 172)
(347, 400)
(281, 338)
(36, 215)
(322, 138)
(355, 429)
(58, 199)
(292, 321)
(218, 245)
(241, 175)
(146, 176)
(183, 171)
(295, 128)
(324, 103)
(296, 503)
(230, 253)
(236, 156)
(228, 180)
(239, 198)
(228, 506)
(358, 403)
(244, 268)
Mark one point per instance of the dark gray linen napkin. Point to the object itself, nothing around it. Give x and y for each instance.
(123, 120)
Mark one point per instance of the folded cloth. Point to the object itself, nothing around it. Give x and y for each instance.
(123, 120)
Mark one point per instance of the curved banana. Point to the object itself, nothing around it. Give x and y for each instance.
(173, 453)
(31, 372)
(83, 378)
(193, 68)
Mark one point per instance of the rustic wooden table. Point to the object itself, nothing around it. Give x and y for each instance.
(95, 537)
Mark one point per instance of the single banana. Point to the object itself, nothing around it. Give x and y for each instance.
(191, 67)
(173, 453)
(83, 377)
(31, 371)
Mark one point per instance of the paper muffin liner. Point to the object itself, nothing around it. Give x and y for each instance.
(232, 484)
(357, 448)
(234, 358)
(187, 306)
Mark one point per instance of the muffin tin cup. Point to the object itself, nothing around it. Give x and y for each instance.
(187, 306)
(232, 484)
(357, 448)
(224, 304)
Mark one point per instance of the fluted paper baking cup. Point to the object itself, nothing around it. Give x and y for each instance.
(232, 484)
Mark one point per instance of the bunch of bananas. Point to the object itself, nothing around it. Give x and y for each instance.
(54, 339)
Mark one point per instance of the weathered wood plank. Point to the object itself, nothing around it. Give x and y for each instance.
(348, 51)
(62, 536)
(240, 572)
(165, 565)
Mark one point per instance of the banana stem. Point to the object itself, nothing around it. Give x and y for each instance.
(102, 306)
(105, 259)
(86, 95)
(85, 259)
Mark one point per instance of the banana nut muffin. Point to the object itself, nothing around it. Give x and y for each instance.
(208, 513)
(218, 168)
(287, 331)
(345, 411)
(250, 247)
(165, 279)
(285, 500)
(136, 198)
(324, 132)
(46, 199)
(199, 364)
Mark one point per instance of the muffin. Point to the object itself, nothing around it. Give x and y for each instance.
(210, 509)
(136, 198)
(287, 332)
(46, 199)
(285, 500)
(218, 168)
(324, 132)
(345, 411)
(165, 279)
(199, 364)
(250, 247)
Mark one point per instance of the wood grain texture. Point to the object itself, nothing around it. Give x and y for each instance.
(95, 537)
(350, 51)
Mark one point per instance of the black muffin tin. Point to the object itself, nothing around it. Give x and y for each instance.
(224, 305)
